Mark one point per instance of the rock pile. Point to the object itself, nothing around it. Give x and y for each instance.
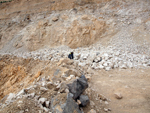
(104, 58)
(51, 97)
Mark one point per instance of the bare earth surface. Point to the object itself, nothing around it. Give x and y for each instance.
(133, 85)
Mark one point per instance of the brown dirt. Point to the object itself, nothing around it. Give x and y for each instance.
(132, 84)
(17, 73)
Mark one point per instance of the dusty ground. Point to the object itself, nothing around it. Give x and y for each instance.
(133, 85)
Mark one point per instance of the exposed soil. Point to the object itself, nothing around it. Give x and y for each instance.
(133, 85)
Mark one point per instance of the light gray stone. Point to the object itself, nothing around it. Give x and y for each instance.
(42, 100)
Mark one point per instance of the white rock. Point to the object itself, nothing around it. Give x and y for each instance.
(31, 95)
(105, 64)
(106, 102)
(72, 76)
(117, 53)
(20, 102)
(107, 68)
(101, 67)
(46, 109)
(105, 109)
(116, 65)
(10, 97)
(81, 64)
(42, 100)
(67, 90)
(43, 89)
(22, 92)
(105, 55)
(47, 103)
(129, 64)
(84, 57)
(123, 66)
(94, 65)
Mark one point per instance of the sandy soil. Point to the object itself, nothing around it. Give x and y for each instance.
(133, 85)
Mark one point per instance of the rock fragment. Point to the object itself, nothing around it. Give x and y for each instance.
(54, 19)
(118, 96)
(84, 100)
(42, 100)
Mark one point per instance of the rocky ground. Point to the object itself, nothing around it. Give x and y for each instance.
(110, 40)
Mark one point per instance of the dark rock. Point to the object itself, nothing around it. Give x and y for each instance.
(84, 100)
(78, 87)
(71, 106)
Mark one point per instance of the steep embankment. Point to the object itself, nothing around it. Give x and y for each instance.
(113, 22)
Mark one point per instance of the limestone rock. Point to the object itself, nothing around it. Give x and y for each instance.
(10, 97)
(107, 68)
(22, 92)
(118, 96)
(123, 66)
(47, 104)
(42, 100)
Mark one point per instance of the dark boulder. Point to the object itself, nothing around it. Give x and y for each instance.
(71, 106)
(78, 87)
(84, 100)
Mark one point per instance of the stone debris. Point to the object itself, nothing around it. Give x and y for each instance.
(102, 97)
(47, 103)
(10, 97)
(106, 110)
(107, 60)
(118, 96)
(42, 100)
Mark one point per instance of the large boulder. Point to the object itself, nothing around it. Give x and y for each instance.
(78, 87)
(71, 106)
(84, 100)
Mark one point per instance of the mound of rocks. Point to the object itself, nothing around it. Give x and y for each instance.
(50, 97)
